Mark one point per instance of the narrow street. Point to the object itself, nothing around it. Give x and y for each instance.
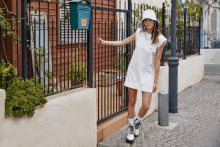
(198, 114)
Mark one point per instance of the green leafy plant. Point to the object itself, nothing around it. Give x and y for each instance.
(6, 24)
(22, 97)
(6, 27)
(7, 74)
(77, 71)
(67, 11)
(51, 74)
(193, 11)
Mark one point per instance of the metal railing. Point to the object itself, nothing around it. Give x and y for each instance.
(65, 59)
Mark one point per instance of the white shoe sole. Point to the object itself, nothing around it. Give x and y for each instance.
(136, 135)
(129, 141)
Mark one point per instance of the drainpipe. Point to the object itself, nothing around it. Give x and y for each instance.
(24, 38)
(201, 21)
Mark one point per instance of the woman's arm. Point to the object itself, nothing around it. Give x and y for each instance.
(157, 61)
(118, 43)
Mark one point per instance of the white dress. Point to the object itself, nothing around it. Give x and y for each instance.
(141, 72)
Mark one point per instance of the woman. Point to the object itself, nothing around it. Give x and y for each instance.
(141, 75)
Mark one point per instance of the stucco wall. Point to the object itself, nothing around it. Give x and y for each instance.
(67, 120)
(211, 56)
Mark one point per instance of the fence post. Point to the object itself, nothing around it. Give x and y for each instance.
(0, 44)
(173, 63)
(90, 51)
(204, 38)
(0, 51)
(184, 33)
(189, 35)
(163, 30)
(199, 32)
(128, 51)
(201, 26)
(24, 38)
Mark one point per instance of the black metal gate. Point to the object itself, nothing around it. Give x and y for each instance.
(110, 100)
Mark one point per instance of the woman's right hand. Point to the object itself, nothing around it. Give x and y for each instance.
(100, 41)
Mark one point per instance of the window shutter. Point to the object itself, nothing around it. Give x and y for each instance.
(75, 36)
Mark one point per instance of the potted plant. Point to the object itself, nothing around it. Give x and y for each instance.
(77, 74)
(22, 96)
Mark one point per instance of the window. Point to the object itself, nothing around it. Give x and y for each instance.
(39, 38)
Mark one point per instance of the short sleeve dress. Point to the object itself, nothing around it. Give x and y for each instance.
(141, 72)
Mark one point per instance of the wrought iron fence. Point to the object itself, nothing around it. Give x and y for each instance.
(56, 55)
(187, 35)
(63, 58)
(210, 40)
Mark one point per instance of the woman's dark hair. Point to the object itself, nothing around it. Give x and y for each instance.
(156, 32)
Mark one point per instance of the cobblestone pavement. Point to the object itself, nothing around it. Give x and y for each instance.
(198, 118)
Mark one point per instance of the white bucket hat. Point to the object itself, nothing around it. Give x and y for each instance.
(149, 14)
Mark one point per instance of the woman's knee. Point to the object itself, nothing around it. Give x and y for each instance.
(132, 102)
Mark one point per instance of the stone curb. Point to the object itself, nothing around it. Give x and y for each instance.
(118, 139)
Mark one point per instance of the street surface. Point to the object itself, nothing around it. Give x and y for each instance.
(198, 117)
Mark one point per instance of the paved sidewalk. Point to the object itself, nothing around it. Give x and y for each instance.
(198, 118)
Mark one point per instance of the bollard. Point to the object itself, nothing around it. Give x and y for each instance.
(163, 108)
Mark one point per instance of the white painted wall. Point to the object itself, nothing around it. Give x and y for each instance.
(207, 21)
(68, 119)
(211, 56)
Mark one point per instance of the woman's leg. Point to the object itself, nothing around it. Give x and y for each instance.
(132, 101)
(131, 104)
(146, 101)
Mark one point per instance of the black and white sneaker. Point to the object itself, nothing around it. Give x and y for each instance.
(130, 136)
(137, 124)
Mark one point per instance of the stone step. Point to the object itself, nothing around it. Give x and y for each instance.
(118, 139)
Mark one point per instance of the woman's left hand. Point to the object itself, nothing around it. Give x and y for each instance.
(154, 87)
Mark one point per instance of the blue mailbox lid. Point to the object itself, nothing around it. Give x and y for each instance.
(77, 1)
(80, 14)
